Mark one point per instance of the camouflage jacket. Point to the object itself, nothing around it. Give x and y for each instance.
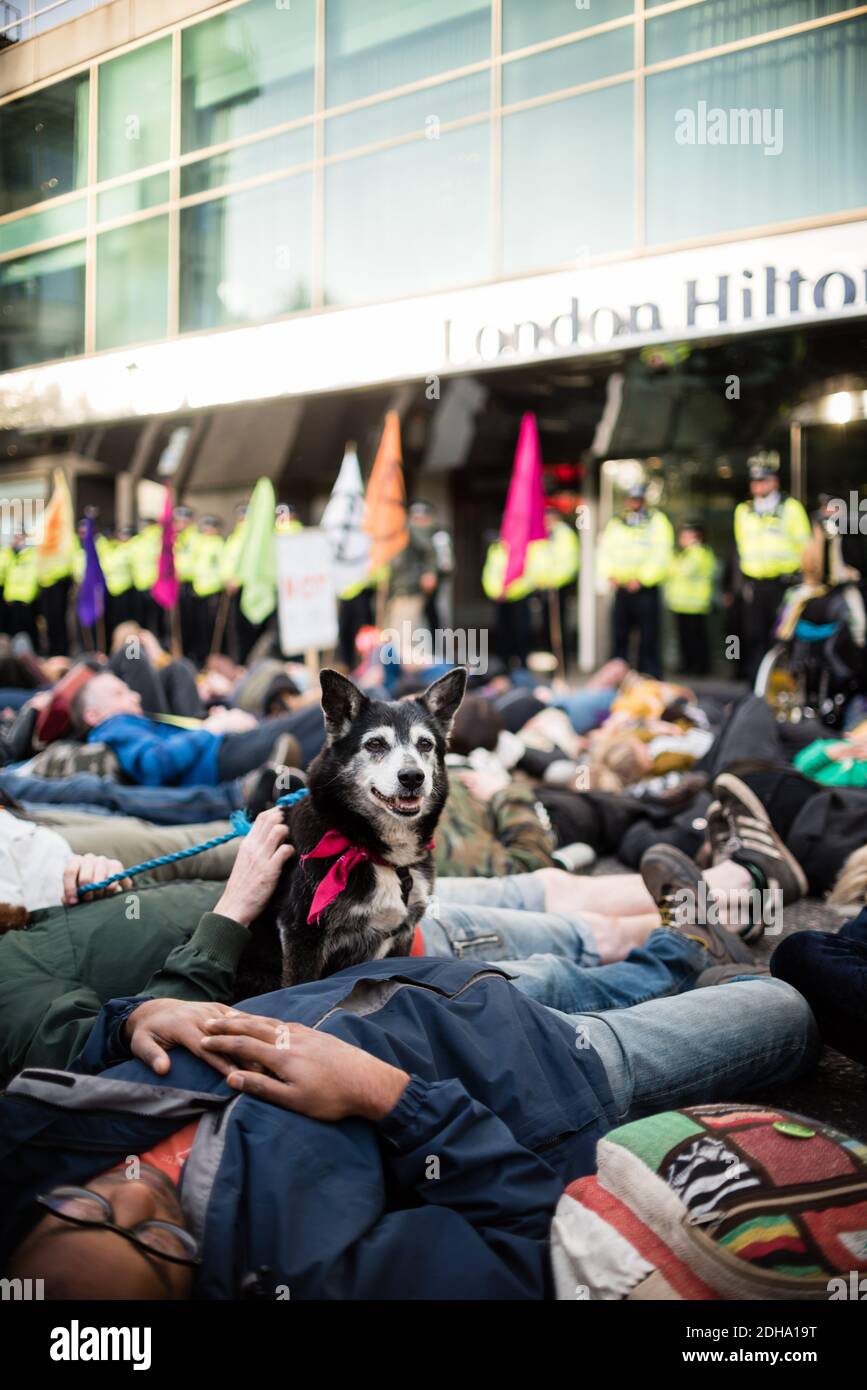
(504, 837)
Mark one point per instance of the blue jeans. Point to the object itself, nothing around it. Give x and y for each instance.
(161, 805)
(662, 1045)
(704, 1046)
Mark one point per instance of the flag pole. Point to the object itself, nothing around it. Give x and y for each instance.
(177, 647)
(556, 629)
(220, 623)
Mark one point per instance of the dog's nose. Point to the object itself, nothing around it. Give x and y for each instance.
(410, 779)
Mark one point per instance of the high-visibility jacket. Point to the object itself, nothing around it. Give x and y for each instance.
(206, 577)
(53, 568)
(771, 545)
(558, 558)
(7, 555)
(689, 587)
(78, 561)
(186, 542)
(639, 550)
(494, 571)
(22, 578)
(116, 563)
(231, 555)
(145, 551)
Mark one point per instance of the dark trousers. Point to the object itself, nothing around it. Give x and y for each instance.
(120, 608)
(169, 690)
(692, 639)
(21, 617)
(761, 601)
(831, 973)
(204, 618)
(54, 602)
(148, 614)
(241, 753)
(243, 633)
(352, 615)
(187, 605)
(638, 611)
(512, 631)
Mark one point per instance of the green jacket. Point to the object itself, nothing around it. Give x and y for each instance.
(813, 761)
(504, 837)
(56, 975)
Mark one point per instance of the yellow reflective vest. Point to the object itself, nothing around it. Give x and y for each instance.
(494, 571)
(639, 551)
(145, 550)
(115, 560)
(771, 545)
(558, 558)
(22, 577)
(689, 587)
(206, 574)
(232, 548)
(186, 542)
(7, 555)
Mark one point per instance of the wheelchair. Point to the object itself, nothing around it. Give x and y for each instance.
(814, 673)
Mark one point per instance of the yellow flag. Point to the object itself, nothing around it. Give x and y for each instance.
(385, 499)
(57, 547)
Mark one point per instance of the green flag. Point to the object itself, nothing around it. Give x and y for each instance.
(257, 564)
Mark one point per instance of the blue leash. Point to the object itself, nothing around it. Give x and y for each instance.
(240, 826)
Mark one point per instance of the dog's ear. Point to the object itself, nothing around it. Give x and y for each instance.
(441, 699)
(342, 702)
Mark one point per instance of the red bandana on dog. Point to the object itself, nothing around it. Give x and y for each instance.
(335, 880)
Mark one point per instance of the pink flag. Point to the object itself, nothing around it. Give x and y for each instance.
(165, 591)
(524, 517)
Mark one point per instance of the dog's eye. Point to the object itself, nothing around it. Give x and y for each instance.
(424, 745)
(376, 745)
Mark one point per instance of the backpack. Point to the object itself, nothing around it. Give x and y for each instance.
(716, 1202)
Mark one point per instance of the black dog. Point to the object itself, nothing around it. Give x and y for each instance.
(363, 869)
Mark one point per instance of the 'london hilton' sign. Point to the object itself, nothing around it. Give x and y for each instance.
(704, 292)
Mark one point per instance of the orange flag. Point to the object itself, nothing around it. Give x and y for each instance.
(385, 499)
(56, 549)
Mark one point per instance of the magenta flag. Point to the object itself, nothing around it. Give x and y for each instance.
(524, 517)
(165, 591)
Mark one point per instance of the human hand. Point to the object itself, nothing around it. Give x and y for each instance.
(485, 783)
(91, 868)
(229, 721)
(428, 583)
(262, 855)
(633, 586)
(299, 1068)
(158, 1025)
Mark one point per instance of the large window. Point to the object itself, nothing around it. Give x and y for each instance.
(132, 308)
(135, 109)
(43, 144)
(408, 220)
(733, 142)
(567, 180)
(280, 156)
(42, 306)
(247, 257)
(247, 70)
(372, 47)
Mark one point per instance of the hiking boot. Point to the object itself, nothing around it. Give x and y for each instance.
(667, 874)
(752, 840)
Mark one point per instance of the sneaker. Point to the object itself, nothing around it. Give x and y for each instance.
(668, 872)
(574, 858)
(752, 840)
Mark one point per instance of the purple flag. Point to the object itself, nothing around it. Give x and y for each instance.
(91, 593)
(524, 517)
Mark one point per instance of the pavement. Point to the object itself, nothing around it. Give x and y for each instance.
(836, 1093)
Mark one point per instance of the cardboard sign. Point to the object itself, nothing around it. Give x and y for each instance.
(306, 601)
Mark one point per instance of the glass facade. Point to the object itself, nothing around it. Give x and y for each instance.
(282, 156)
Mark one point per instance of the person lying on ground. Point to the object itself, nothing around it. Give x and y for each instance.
(830, 971)
(165, 806)
(553, 929)
(154, 754)
(287, 1148)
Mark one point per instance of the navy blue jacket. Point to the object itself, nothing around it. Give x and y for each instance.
(450, 1196)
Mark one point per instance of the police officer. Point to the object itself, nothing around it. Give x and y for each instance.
(186, 540)
(207, 585)
(115, 557)
(771, 531)
(145, 550)
(635, 557)
(242, 634)
(513, 623)
(560, 557)
(55, 580)
(21, 589)
(689, 593)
